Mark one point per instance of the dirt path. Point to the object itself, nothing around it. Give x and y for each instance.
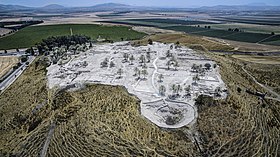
(155, 71)
(48, 140)
(263, 86)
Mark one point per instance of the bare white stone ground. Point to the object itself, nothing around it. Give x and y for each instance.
(170, 107)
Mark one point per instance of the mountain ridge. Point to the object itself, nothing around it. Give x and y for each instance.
(120, 6)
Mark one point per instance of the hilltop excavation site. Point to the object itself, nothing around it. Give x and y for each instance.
(167, 78)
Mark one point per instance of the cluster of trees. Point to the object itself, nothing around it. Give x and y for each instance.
(120, 72)
(10, 32)
(105, 63)
(176, 89)
(16, 25)
(58, 41)
(199, 68)
(196, 78)
(139, 72)
(234, 29)
(150, 41)
(129, 58)
(171, 62)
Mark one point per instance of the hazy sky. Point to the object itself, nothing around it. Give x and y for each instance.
(166, 3)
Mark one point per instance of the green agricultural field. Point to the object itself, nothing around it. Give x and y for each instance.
(139, 23)
(215, 33)
(247, 37)
(275, 40)
(229, 35)
(31, 35)
(160, 22)
(174, 21)
(252, 28)
(187, 29)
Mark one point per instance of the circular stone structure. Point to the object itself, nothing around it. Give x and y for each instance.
(168, 114)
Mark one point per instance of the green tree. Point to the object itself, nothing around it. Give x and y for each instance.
(142, 59)
(137, 72)
(162, 90)
(218, 91)
(160, 77)
(120, 72)
(150, 41)
(176, 65)
(168, 53)
(23, 59)
(168, 65)
(194, 67)
(187, 89)
(215, 66)
(196, 78)
(208, 66)
(112, 64)
(131, 59)
(125, 56)
(104, 63)
(144, 73)
(148, 56)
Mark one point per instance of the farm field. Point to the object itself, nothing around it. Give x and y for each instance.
(273, 40)
(229, 35)
(174, 21)
(252, 20)
(31, 35)
(259, 59)
(238, 36)
(263, 35)
(6, 63)
(4, 31)
(247, 27)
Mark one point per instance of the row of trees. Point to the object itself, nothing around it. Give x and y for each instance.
(176, 89)
(139, 72)
(200, 69)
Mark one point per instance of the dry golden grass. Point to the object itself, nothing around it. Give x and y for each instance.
(259, 59)
(242, 125)
(102, 120)
(267, 74)
(6, 63)
(186, 40)
(98, 120)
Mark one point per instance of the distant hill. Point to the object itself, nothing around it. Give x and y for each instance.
(249, 7)
(111, 5)
(52, 7)
(123, 7)
(13, 7)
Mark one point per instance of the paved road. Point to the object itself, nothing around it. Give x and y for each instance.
(20, 53)
(13, 76)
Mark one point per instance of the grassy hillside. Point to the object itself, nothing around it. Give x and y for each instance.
(98, 120)
(31, 35)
